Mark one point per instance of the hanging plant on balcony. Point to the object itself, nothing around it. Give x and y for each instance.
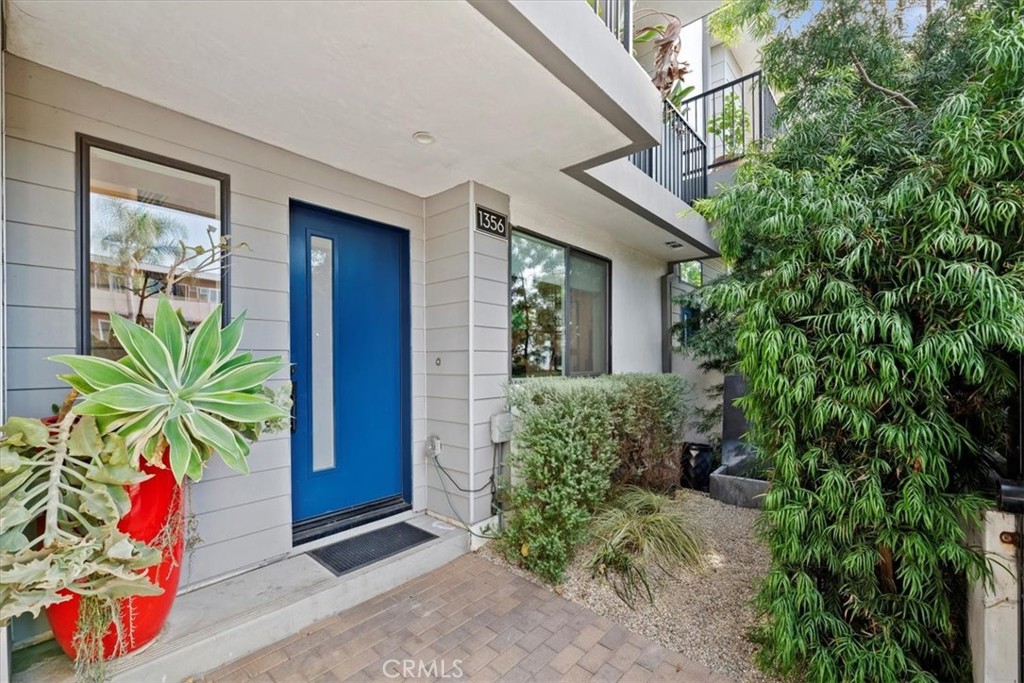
(669, 73)
(80, 495)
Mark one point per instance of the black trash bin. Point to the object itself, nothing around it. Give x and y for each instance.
(696, 466)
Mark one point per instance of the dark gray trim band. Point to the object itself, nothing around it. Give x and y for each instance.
(83, 144)
(504, 15)
(522, 31)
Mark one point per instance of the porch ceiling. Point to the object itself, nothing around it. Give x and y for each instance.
(347, 84)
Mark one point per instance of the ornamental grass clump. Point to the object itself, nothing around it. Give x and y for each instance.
(887, 226)
(635, 532)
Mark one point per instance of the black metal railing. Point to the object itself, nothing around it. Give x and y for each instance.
(732, 118)
(617, 15)
(679, 163)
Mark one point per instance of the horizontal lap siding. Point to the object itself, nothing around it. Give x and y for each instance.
(446, 341)
(466, 293)
(243, 521)
(490, 343)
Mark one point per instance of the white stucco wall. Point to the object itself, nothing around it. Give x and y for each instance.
(723, 66)
(636, 286)
(691, 51)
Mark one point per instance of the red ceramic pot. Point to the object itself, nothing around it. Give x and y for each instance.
(154, 502)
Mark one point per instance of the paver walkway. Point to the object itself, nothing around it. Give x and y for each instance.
(470, 620)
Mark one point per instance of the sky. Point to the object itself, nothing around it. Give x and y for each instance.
(913, 15)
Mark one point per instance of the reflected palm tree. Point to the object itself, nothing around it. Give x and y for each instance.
(134, 238)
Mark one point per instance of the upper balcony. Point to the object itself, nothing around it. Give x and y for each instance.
(618, 17)
(732, 118)
(704, 135)
(680, 162)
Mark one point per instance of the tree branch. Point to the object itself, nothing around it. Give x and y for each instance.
(898, 96)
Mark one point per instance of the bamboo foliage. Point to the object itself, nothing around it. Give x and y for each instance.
(889, 240)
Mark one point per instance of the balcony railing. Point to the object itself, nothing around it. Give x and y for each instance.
(679, 163)
(617, 15)
(732, 118)
(705, 131)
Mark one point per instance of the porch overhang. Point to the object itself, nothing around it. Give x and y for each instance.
(512, 93)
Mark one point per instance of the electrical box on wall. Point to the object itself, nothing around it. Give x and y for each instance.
(501, 428)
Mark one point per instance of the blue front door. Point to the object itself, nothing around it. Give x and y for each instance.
(350, 355)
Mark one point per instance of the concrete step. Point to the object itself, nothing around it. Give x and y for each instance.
(227, 620)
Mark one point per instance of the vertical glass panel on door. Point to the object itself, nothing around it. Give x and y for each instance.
(588, 315)
(151, 229)
(537, 293)
(321, 271)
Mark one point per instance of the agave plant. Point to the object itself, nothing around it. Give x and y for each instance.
(62, 488)
(188, 392)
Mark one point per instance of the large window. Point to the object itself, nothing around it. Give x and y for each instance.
(559, 299)
(150, 225)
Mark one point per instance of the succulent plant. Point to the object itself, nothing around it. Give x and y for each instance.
(190, 392)
(62, 492)
(62, 483)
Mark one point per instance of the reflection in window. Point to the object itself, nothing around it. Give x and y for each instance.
(540, 302)
(537, 285)
(691, 272)
(588, 315)
(689, 323)
(145, 221)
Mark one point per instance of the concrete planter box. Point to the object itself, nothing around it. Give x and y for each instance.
(730, 486)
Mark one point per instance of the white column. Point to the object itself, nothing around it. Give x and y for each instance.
(466, 323)
(993, 624)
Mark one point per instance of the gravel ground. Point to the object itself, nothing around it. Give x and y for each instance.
(703, 614)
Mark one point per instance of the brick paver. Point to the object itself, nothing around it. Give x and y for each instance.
(471, 621)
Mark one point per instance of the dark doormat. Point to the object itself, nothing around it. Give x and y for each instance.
(359, 551)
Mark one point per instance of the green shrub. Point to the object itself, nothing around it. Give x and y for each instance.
(563, 457)
(876, 341)
(572, 435)
(650, 412)
(635, 533)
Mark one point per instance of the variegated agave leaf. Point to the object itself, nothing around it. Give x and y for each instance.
(189, 392)
(61, 498)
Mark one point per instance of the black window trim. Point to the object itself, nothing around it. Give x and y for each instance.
(569, 250)
(83, 144)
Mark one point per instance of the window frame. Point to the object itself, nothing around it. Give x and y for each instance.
(678, 270)
(569, 250)
(84, 144)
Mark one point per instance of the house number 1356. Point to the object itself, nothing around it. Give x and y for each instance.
(491, 222)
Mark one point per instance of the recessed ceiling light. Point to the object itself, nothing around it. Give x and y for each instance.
(423, 137)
